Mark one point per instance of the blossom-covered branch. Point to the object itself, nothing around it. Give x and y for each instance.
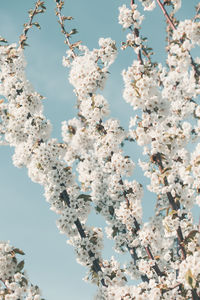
(164, 252)
(14, 283)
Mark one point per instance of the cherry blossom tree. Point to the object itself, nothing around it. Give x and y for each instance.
(89, 170)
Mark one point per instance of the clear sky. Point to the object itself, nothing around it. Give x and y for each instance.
(25, 218)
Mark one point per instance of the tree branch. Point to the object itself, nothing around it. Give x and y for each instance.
(169, 20)
(96, 267)
(166, 14)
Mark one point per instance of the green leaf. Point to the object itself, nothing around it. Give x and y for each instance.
(2, 40)
(24, 281)
(112, 275)
(67, 18)
(18, 251)
(20, 266)
(73, 31)
(173, 212)
(115, 231)
(84, 197)
(37, 25)
(190, 278)
(98, 209)
(190, 236)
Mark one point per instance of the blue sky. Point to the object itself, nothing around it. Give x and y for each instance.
(25, 218)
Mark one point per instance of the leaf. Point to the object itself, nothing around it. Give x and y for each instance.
(39, 166)
(37, 25)
(98, 209)
(66, 18)
(173, 212)
(30, 13)
(66, 169)
(115, 231)
(71, 129)
(41, 4)
(39, 11)
(20, 266)
(86, 198)
(22, 37)
(24, 281)
(75, 45)
(190, 236)
(165, 170)
(188, 168)
(73, 31)
(167, 228)
(24, 45)
(2, 40)
(112, 275)
(93, 240)
(190, 278)
(18, 251)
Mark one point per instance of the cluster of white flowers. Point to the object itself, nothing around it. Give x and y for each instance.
(189, 31)
(94, 108)
(107, 51)
(100, 150)
(148, 4)
(166, 97)
(125, 16)
(164, 251)
(189, 271)
(28, 131)
(89, 70)
(177, 5)
(14, 283)
(86, 76)
(128, 17)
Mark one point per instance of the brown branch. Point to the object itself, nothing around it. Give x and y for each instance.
(166, 14)
(155, 267)
(32, 14)
(174, 205)
(194, 295)
(165, 290)
(96, 267)
(139, 55)
(59, 5)
(169, 20)
(147, 249)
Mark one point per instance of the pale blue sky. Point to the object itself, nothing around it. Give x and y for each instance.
(25, 218)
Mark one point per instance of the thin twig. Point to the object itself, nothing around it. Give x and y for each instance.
(59, 5)
(169, 20)
(166, 14)
(32, 14)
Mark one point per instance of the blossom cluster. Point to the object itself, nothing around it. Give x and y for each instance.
(89, 71)
(90, 169)
(14, 283)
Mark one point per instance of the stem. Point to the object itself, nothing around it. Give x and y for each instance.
(31, 19)
(166, 14)
(155, 267)
(29, 25)
(96, 267)
(139, 56)
(194, 295)
(175, 206)
(169, 289)
(169, 20)
(63, 28)
(147, 249)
